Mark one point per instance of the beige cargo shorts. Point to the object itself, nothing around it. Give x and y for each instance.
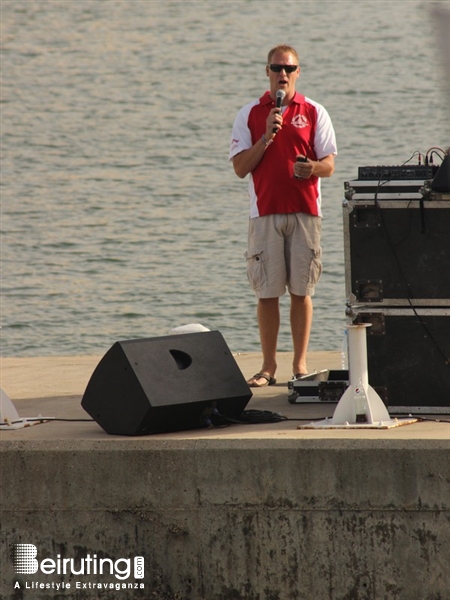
(284, 253)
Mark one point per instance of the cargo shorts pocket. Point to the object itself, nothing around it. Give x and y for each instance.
(256, 272)
(315, 267)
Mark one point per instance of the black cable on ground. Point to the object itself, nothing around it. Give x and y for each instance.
(256, 417)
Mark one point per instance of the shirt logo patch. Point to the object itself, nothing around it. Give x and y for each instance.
(234, 144)
(300, 121)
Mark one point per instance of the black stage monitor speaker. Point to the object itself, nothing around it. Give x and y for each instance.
(164, 384)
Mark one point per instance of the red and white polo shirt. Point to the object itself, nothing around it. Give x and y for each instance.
(307, 130)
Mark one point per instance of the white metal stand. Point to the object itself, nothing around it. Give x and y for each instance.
(8, 412)
(360, 406)
(9, 417)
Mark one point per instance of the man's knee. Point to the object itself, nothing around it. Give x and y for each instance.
(300, 299)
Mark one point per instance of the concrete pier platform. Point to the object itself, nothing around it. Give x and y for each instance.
(246, 512)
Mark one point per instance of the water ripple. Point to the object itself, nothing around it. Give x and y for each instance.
(121, 215)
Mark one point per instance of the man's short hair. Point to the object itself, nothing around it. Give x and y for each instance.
(282, 48)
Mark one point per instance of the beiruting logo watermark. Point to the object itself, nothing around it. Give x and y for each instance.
(26, 563)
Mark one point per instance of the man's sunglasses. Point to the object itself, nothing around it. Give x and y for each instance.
(287, 68)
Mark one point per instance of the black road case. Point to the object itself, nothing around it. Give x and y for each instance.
(323, 386)
(397, 252)
(408, 356)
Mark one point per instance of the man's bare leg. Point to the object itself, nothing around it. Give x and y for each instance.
(301, 321)
(268, 312)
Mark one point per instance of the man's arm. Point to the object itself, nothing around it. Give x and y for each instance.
(324, 167)
(247, 160)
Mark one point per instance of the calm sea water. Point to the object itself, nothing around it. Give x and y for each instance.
(121, 215)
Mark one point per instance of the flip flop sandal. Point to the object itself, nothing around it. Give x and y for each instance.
(269, 380)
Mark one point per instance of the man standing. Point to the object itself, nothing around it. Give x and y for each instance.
(285, 150)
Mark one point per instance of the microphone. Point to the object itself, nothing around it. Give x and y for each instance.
(280, 97)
